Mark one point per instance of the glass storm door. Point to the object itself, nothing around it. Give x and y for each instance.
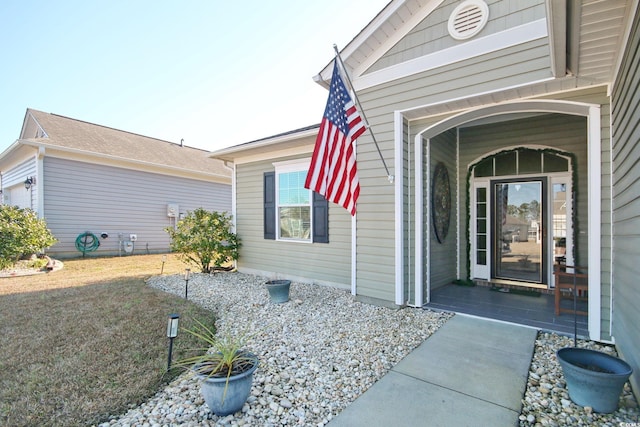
(518, 238)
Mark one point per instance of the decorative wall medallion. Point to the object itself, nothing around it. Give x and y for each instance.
(441, 201)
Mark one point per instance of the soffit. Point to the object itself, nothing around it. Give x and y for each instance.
(602, 32)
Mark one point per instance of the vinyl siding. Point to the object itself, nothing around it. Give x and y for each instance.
(442, 256)
(513, 66)
(432, 35)
(323, 263)
(375, 226)
(13, 191)
(81, 197)
(408, 241)
(598, 95)
(626, 205)
(516, 65)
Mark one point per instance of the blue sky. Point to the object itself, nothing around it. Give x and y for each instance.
(216, 73)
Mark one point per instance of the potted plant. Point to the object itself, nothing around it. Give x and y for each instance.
(278, 290)
(593, 378)
(225, 369)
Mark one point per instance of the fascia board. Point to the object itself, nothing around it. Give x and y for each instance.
(244, 150)
(274, 154)
(392, 8)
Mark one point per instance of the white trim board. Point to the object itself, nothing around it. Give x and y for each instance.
(481, 46)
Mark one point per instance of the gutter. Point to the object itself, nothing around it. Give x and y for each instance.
(120, 159)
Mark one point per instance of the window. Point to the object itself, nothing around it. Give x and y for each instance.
(481, 226)
(293, 205)
(521, 161)
(291, 212)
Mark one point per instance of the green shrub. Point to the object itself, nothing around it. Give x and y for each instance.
(21, 233)
(205, 239)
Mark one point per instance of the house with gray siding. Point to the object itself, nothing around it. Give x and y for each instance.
(122, 188)
(531, 109)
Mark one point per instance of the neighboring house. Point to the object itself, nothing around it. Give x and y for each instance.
(532, 108)
(121, 187)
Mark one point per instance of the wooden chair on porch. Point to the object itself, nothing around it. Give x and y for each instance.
(570, 279)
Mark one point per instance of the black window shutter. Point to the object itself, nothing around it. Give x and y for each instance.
(269, 191)
(320, 208)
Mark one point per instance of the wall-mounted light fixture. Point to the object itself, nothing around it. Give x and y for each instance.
(30, 181)
(172, 332)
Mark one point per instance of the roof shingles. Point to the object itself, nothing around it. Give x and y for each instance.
(76, 135)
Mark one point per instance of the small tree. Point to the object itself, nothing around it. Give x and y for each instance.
(205, 239)
(21, 233)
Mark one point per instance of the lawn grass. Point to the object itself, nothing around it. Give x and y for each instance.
(87, 341)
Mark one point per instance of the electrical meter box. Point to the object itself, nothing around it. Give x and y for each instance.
(172, 210)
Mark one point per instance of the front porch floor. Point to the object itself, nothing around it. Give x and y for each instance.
(481, 301)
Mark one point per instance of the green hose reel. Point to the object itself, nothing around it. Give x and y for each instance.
(87, 242)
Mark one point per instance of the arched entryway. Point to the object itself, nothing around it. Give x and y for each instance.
(550, 184)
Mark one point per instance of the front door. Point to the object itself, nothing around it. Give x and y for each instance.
(520, 217)
(519, 230)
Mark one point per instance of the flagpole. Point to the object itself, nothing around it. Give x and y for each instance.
(364, 117)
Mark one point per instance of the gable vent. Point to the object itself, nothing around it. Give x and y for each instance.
(468, 19)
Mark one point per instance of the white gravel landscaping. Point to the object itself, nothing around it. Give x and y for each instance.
(321, 350)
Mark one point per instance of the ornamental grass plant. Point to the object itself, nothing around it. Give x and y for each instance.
(221, 356)
(88, 341)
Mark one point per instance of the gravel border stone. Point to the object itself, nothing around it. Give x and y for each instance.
(318, 352)
(322, 349)
(546, 401)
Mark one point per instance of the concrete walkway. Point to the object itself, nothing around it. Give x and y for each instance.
(471, 372)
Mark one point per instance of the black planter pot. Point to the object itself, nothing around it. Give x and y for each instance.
(593, 378)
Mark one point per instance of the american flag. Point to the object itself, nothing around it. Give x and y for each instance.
(333, 171)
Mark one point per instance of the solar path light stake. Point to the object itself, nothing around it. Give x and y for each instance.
(172, 332)
(164, 259)
(187, 274)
